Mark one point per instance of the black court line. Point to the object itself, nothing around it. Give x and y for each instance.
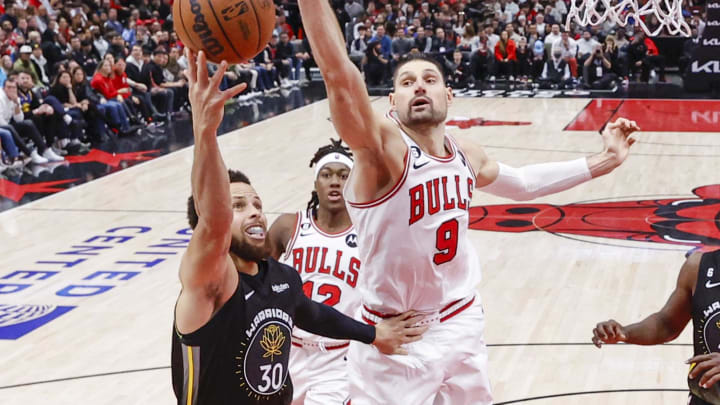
(590, 152)
(569, 394)
(576, 344)
(80, 377)
(577, 115)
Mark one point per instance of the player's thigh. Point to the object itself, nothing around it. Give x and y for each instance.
(377, 379)
(332, 392)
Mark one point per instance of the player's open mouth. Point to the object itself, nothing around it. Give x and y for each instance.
(335, 196)
(420, 102)
(255, 232)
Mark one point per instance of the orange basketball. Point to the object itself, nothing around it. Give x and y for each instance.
(231, 30)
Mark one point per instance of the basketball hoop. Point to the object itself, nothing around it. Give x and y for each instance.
(594, 12)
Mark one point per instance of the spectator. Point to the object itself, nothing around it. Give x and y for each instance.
(556, 73)
(267, 73)
(423, 40)
(25, 64)
(112, 24)
(645, 59)
(358, 47)
(441, 46)
(540, 24)
(354, 8)
(80, 110)
(306, 59)
(611, 52)
(98, 42)
(384, 40)
(586, 46)
(492, 37)
(505, 57)
(470, 41)
(162, 92)
(135, 63)
(11, 109)
(376, 68)
(551, 38)
(460, 71)
(510, 28)
(597, 70)
(113, 112)
(689, 47)
(568, 48)
(401, 45)
(525, 60)
(538, 56)
(40, 64)
(6, 65)
(284, 59)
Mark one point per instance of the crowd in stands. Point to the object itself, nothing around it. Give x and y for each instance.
(77, 73)
(523, 41)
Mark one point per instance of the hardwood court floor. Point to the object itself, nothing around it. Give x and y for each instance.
(89, 275)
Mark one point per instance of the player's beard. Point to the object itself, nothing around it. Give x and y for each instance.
(246, 251)
(430, 116)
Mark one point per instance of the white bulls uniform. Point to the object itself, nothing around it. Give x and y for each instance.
(329, 266)
(416, 255)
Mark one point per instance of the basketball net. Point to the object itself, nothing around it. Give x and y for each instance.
(594, 12)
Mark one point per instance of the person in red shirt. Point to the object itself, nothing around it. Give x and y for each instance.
(102, 82)
(505, 56)
(135, 94)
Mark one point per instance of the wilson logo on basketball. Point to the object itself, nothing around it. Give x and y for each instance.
(201, 28)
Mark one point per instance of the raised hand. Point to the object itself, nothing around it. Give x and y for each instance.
(608, 332)
(392, 333)
(617, 140)
(206, 98)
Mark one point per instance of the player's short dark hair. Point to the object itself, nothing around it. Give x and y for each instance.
(413, 57)
(236, 176)
(335, 146)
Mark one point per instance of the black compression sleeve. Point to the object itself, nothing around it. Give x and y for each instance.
(326, 321)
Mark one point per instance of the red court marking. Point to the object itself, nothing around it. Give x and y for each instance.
(651, 115)
(594, 115)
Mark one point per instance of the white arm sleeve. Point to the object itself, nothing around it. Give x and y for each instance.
(529, 182)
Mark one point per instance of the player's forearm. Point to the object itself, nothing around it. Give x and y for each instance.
(209, 177)
(601, 163)
(326, 38)
(652, 330)
(326, 321)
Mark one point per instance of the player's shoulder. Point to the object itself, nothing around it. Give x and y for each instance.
(282, 270)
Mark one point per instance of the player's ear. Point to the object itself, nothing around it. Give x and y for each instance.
(450, 95)
(392, 101)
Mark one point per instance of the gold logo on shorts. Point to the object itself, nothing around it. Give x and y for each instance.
(717, 324)
(272, 341)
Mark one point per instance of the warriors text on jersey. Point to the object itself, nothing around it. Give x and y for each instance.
(328, 265)
(706, 322)
(413, 240)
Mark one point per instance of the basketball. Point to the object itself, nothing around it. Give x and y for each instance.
(231, 30)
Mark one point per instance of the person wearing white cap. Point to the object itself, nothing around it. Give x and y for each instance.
(23, 63)
(321, 244)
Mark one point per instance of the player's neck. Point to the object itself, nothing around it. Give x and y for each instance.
(332, 221)
(244, 266)
(430, 138)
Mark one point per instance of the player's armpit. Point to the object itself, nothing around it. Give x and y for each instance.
(280, 234)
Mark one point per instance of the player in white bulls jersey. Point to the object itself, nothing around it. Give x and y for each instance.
(408, 196)
(321, 244)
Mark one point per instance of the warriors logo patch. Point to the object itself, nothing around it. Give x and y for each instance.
(264, 362)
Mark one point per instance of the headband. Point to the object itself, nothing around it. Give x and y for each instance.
(333, 158)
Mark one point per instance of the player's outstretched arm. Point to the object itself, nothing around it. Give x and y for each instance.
(388, 336)
(368, 135)
(662, 326)
(533, 181)
(204, 268)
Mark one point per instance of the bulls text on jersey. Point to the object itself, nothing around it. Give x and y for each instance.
(305, 260)
(425, 197)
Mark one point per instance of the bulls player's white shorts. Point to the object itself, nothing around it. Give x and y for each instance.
(319, 377)
(448, 366)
